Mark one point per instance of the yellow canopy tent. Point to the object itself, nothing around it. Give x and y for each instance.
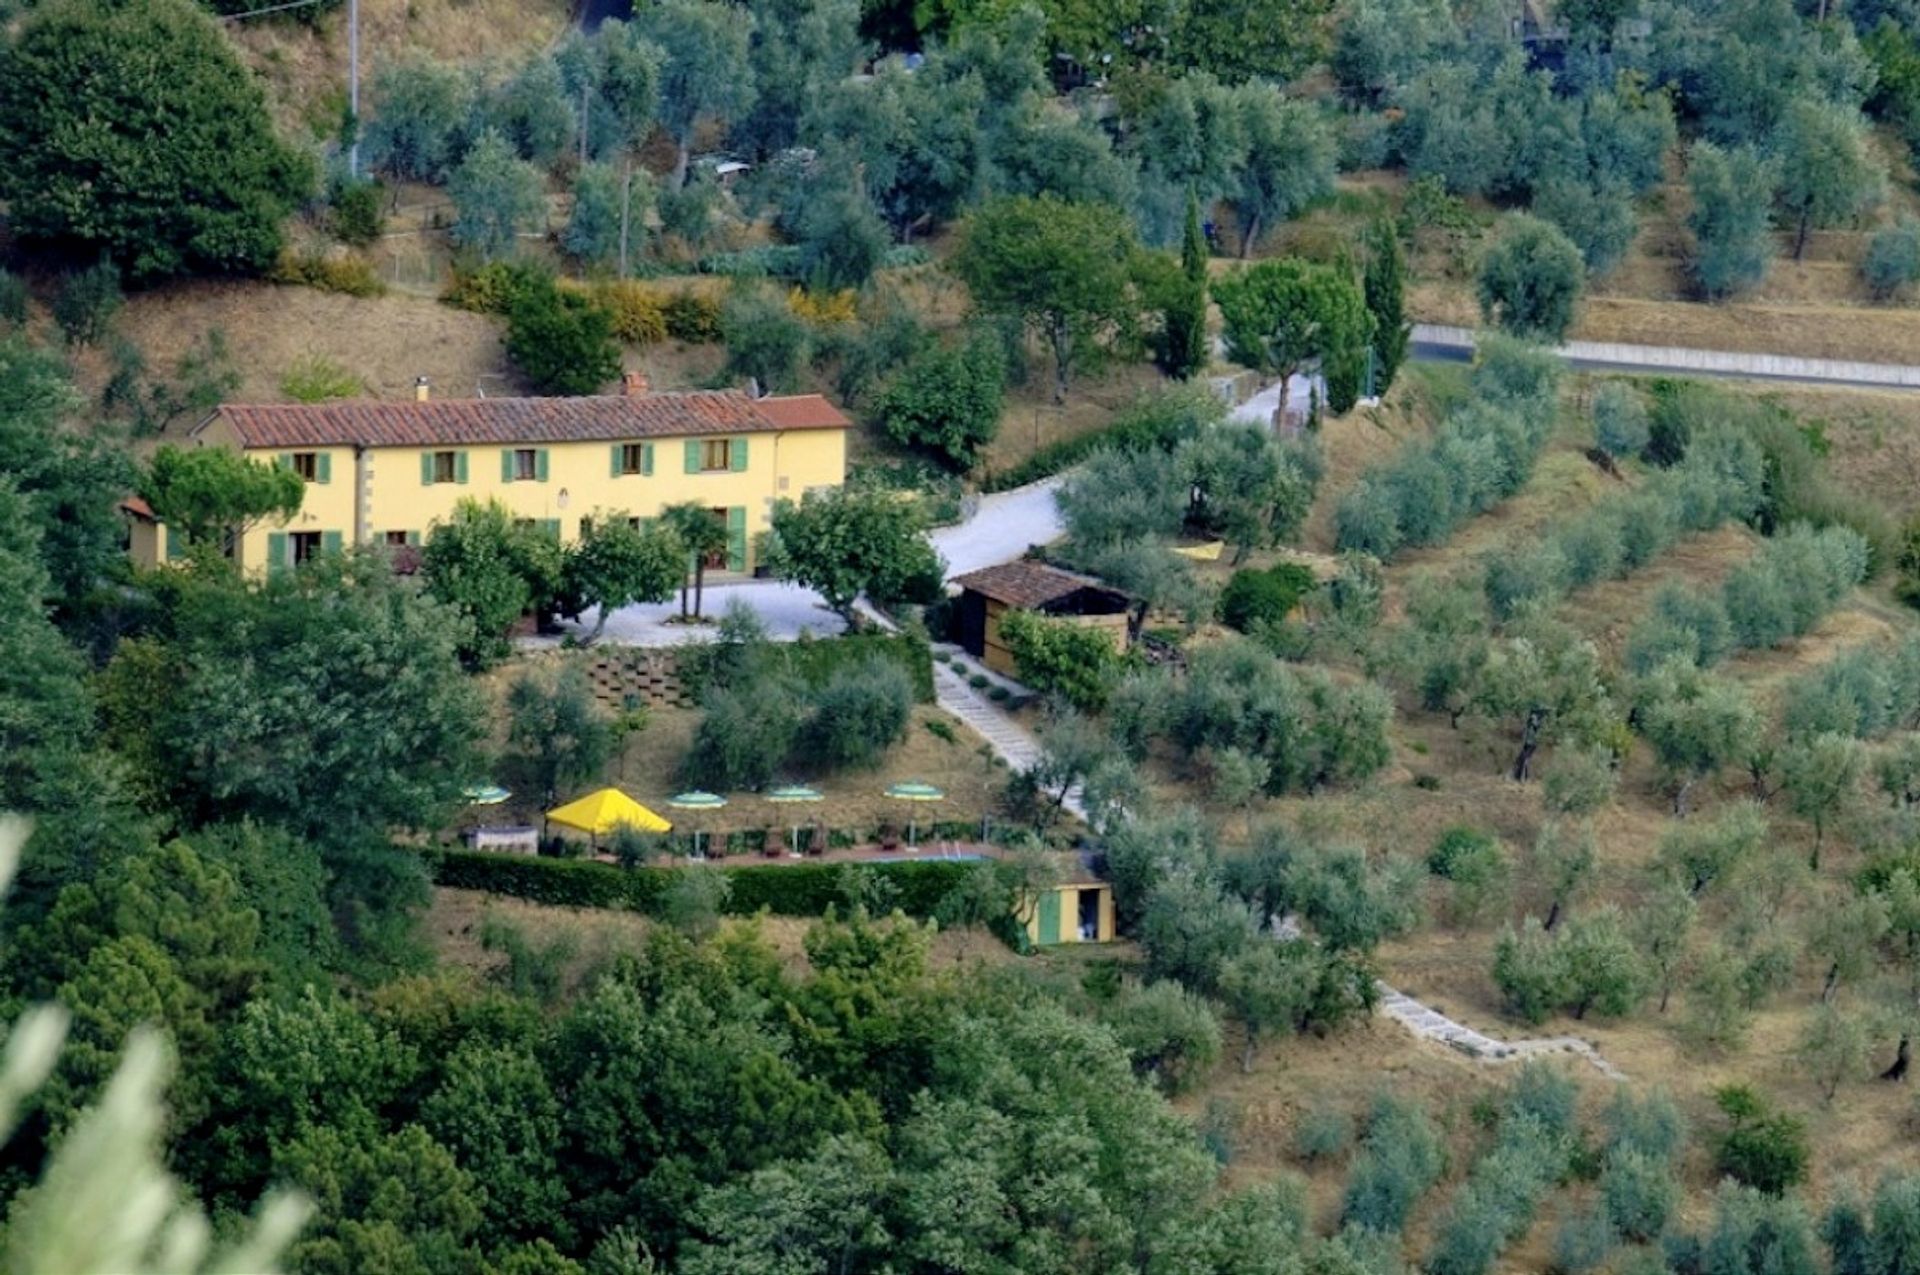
(599, 813)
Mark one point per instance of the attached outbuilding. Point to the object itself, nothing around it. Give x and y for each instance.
(1074, 911)
(989, 594)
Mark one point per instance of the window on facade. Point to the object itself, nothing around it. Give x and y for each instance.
(444, 468)
(717, 560)
(396, 539)
(307, 465)
(637, 523)
(715, 454)
(632, 458)
(306, 546)
(526, 465)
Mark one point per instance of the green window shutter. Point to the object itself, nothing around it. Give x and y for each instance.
(506, 466)
(460, 467)
(323, 467)
(551, 527)
(540, 465)
(283, 460)
(693, 455)
(617, 449)
(330, 541)
(738, 456)
(737, 538)
(646, 458)
(426, 469)
(175, 547)
(278, 554)
(413, 538)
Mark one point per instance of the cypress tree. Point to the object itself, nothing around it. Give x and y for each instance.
(1186, 349)
(1386, 288)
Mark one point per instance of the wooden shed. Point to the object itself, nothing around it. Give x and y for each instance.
(1077, 911)
(991, 592)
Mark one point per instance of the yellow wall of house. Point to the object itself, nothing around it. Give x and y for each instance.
(580, 481)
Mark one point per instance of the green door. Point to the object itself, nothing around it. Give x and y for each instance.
(1049, 918)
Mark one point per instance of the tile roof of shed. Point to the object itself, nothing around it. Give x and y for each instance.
(459, 422)
(1026, 583)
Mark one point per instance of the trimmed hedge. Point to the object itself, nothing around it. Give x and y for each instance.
(815, 660)
(784, 889)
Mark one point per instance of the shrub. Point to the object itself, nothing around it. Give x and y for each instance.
(1531, 279)
(744, 737)
(495, 287)
(1056, 657)
(354, 212)
(561, 342)
(1324, 1133)
(1762, 1148)
(1583, 1243)
(1639, 1192)
(87, 301)
(1530, 971)
(636, 313)
(1892, 263)
(860, 713)
(1169, 1033)
(693, 317)
(1255, 598)
(694, 900)
(346, 274)
(1620, 424)
(317, 379)
(766, 341)
(946, 401)
(1458, 846)
(1402, 1158)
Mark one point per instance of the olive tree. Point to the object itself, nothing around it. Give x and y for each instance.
(1531, 279)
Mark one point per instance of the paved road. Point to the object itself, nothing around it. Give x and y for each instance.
(1436, 343)
(1007, 524)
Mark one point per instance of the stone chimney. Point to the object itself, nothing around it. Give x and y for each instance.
(634, 384)
(422, 389)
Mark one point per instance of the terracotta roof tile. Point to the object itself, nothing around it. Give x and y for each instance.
(1025, 583)
(459, 422)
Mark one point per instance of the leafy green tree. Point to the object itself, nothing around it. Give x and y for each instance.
(134, 131)
(1761, 1148)
(557, 730)
(497, 197)
(1531, 279)
(947, 400)
(1817, 773)
(495, 1111)
(845, 542)
(1061, 269)
(491, 571)
(561, 341)
(87, 303)
(1172, 1034)
(862, 711)
(348, 713)
(706, 70)
(827, 1212)
(397, 1201)
(1829, 173)
(1185, 351)
(212, 496)
(422, 109)
(1604, 969)
(1696, 723)
(842, 240)
(1699, 852)
(1835, 1046)
(1733, 191)
(615, 564)
(1892, 263)
(1597, 219)
(1401, 1158)
(766, 341)
(704, 535)
(1190, 928)
(1619, 420)
(617, 71)
(609, 215)
(1549, 681)
(1278, 316)
(1663, 926)
(1122, 497)
(1266, 986)
(534, 112)
(1844, 934)
(1384, 281)
(1272, 40)
(744, 737)
(1288, 165)
(65, 483)
(1530, 970)
(1248, 486)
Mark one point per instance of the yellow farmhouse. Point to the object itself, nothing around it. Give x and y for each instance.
(385, 473)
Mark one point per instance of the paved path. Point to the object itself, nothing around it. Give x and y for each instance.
(1007, 524)
(1435, 342)
(1431, 1024)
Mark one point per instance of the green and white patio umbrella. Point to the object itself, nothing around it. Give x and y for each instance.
(913, 790)
(793, 795)
(696, 799)
(485, 794)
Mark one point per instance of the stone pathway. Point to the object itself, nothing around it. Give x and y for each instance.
(1431, 1024)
